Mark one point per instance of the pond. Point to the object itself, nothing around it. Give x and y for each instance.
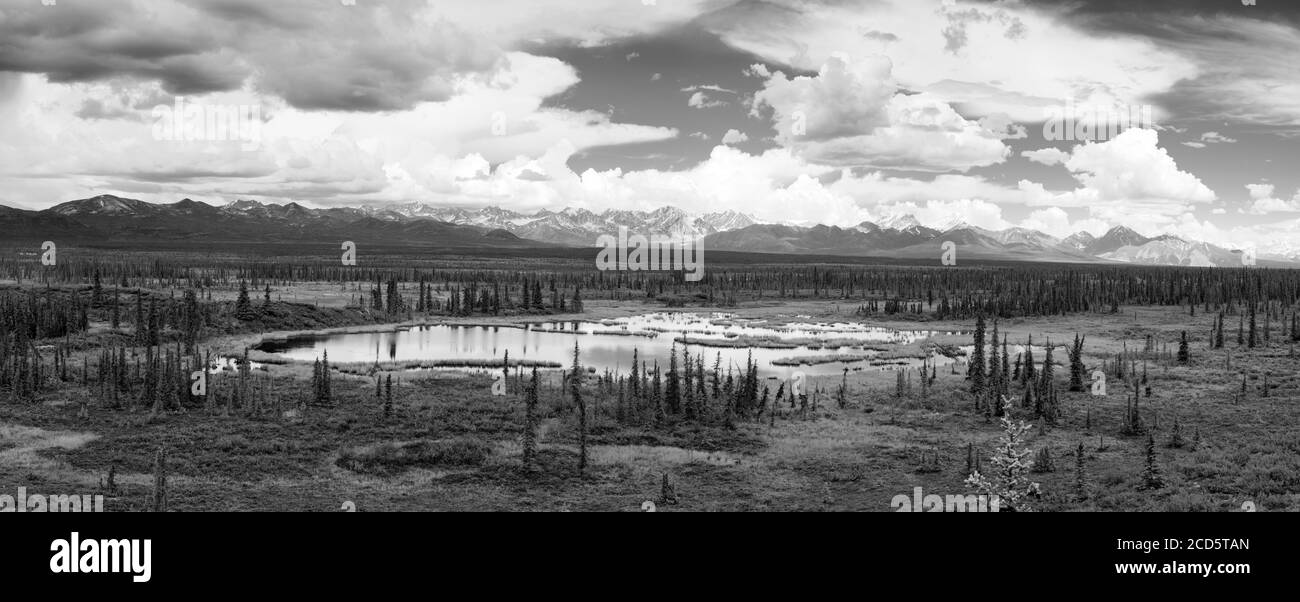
(817, 349)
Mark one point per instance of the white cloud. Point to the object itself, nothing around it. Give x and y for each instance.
(854, 115)
(1132, 167)
(700, 100)
(734, 137)
(1046, 156)
(1127, 180)
(316, 156)
(1216, 138)
(707, 87)
(1260, 191)
(1264, 203)
(1050, 55)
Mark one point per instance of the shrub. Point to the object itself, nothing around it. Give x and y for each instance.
(387, 458)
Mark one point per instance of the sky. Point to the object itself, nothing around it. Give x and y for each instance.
(793, 111)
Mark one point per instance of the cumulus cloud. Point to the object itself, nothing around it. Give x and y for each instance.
(361, 56)
(734, 137)
(700, 100)
(964, 61)
(313, 156)
(1133, 167)
(395, 55)
(1001, 124)
(855, 115)
(1128, 180)
(1046, 156)
(1263, 202)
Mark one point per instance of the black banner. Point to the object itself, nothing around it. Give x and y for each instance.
(313, 551)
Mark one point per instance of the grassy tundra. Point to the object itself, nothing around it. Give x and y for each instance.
(96, 352)
(442, 441)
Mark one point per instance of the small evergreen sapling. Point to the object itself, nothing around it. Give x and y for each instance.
(1080, 476)
(1151, 478)
(1009, 479)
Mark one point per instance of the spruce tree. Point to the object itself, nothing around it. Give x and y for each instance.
(717, 377)
(1076, 363)
(1183, 355)
(1151, 478)
(575, 386)
(243, 306)
(1080, 477)
(1252, 339)
(1176, 439)
(975, 371)
(634, 380)
(530, 424)
(1045, 406)
(1027, 370)
(672, 388)
(994, 378)
(327, 393)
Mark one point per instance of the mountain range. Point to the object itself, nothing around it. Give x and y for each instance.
(111, 218)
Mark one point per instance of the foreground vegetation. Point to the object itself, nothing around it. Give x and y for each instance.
(96, 380)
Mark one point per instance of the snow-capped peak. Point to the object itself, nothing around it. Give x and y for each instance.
(900, 221)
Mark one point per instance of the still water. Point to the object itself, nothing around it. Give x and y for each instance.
(610, 344)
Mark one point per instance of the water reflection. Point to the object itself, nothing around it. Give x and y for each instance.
(611, 344)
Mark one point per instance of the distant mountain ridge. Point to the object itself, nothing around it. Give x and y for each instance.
(576, 227)
(108, 218)
(113, 218)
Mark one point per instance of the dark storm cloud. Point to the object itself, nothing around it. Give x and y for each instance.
(98, 41)
(315, 55)
(270, 14)
(1117, 11)
(1161, 19)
